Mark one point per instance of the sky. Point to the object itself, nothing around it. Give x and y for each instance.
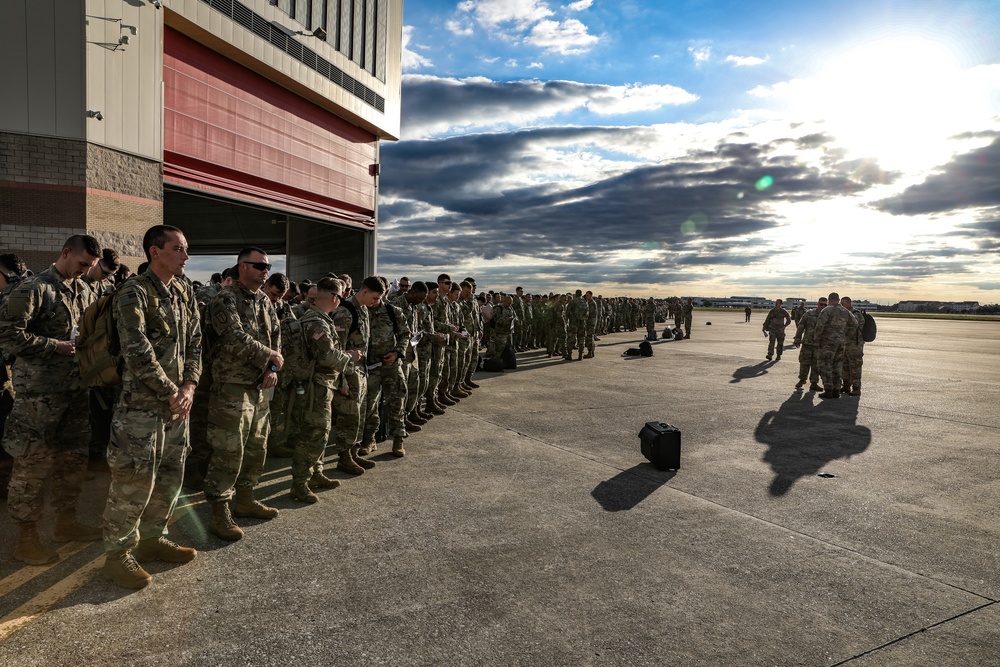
(690, 147)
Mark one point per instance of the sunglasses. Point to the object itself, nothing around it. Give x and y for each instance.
(260, 266)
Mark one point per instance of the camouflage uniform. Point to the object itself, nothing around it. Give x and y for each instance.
(196, 465)
(502, 317)
(246, 330)
(411, 376)
(161, 350)
(315, 410)
(592, 315)
(557, 328)
(854, 352)
(576, 337)
(805, 335)
(688, 310)
(354, 332)
(678, 316)
(425, 350)
(386, 382)
(833, 326)
(48, 427)
(774, 324)
(439, 352)
(798, 312)
(649, 314)
(473, 319)
(453, 348)
(282, 408)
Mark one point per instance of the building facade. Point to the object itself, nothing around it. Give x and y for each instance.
(253, 122)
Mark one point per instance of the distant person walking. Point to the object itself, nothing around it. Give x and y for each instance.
(774, 326)
(747, 310)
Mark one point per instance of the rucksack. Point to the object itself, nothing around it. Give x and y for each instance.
(299, 364)
(869, 329)
(509, 357)
(645, 349)
(493, 365)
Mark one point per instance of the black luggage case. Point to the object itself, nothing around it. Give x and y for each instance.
(661, 444)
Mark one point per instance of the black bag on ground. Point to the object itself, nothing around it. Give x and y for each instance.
(661, 444)
(493, 365)
(632, 352)
(509, 357)
(870, 329)
(645, 349)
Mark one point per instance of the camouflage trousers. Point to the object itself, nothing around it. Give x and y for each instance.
(775, 339)
(314, 414)
(853, 361)
(473, 354)
(201, 451)
(687, 327)
(237, 432)
(830, 360)
(465, 357)
(46, 433)
(557, 339)
(437, 368)
(808, 363)
(498, 342)
(350, 412)
(450, 378)
(146, 455)
(425, 366)
(388, 383)
(576, 337)
(651, 328)
(591, 335)
(280, 415)
(411, 381)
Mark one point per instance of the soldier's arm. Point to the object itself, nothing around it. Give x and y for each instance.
(342, 321)
(22, 304)
(192, 352)
(229, 328)
(137, 352)
(327, 354)
(403, 335)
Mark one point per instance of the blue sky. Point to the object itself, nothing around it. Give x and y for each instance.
(705, 148)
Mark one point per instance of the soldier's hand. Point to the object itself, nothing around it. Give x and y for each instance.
(66, 348)
(276, 359)
(345, 389)
(177, 405)
(356, 356)
(390, 358)
(270, 380)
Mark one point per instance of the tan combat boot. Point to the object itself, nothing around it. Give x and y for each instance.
(68, 529)
(245, 505)
(363, 462)
(121, 568)
(348, 465)
(321, 481)
(29, 549)
(368, 446)
(160, 548)
(222, 524)
(397, 447)
(303, 494)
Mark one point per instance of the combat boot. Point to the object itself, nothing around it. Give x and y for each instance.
(433, 408)
(303, 494)
(68, 529)
(815, 387)
(444, 400)
(368, 446)
(160, 548)
(245, 505)
(579, 354)
(321, 481)
(397, 447)
(363, 462)
(29, 549)
(348, 465)
(855, 391)
(411, 427)
(830, 394)
(416, 417)
(121, 568)
(457, 391)
(221, 524)
(800, 384)
(589, 355)
(468, 380)
(464, 386)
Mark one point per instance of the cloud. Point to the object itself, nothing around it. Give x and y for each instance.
(536, 66)
(569, 37)
(531, 22)
(412, 60)
(435, 105)
(578, 6)
(701, 54)
(745, 61)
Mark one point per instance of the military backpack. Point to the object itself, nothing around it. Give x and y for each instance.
(299, 364)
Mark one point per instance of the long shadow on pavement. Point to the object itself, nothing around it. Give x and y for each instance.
(751, 372)
(802, 437)
(630, 487)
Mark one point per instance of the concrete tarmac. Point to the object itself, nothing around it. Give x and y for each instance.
(525, 528)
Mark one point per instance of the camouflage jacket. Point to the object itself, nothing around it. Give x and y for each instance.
(37, 314)
(557, 315)
(354, 329)
(578, 310)
(649, 311)
(798, 312)
(457, 317)
(805, 331)
(592, 312)
(502, 317)
(440, 310)
(160, 336)
(425, 325)
(688, 309)
(98, 287)
(385, 337)
(835, 325)
(857, 339)
(776, 321)
(473, 318)
(324, 348)
(205, 294)
(246, 331)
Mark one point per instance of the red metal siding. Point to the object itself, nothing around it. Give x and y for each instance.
(230, 131)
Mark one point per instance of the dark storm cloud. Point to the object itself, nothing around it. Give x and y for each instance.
(971, 180)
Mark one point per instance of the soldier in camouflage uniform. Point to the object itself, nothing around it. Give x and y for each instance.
(557, 326)
(48, 429)
(442, 325)
(678, 315)
(353, 324)
(245, 364)
(12, 270)
(427, 352)
(517, 304)
(688, 310)
(854, 352)
(797, 312)
(157, 319)
(330, 364)
(454, 350)
(409, 302)
(576, 337)
(102, 399)
(649, 316)
(592, 310)
(833, 327)
(774, 326)
(503, 316)
(474, 324)
(390, 338)
(805, 335)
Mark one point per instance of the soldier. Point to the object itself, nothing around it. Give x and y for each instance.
(390, 338)
(427, 351)
(99, 278)
(592, 309)
(688, 316)
(102, 399)
(47, 430)
(442, 325)
(245, 364)
(12, 271)
(774, 326)
(503, 317)
(157, 319)
(330, 364)
(474, 324)
(854, 352)
(649, 315)
(557, 326)
(805, 335)
(576, 337)
(274, 289)
(678, 315)
(833, 327)
(409, 302)
(454, 349)
(798, 311)
(353, 324)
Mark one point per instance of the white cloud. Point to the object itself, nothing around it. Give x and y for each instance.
(745, 61)
(491, 13)
(462, 28)
(701, 54)
(511, 62)
(567, 38)
(411, 59)
(631, 98)
(536, 66)
(578, 6)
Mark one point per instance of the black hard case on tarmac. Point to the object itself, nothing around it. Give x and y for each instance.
(661, 444)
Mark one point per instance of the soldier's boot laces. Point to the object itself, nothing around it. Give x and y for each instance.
(397, 447)
(122, 568)
(245, 505)
(303, 494)
(358, 459)
(29, 550)
(321, 481)
(68, 529)
(348, 465)
(160, 548)
(222, 524)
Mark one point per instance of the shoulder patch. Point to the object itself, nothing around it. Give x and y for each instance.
(128, 298)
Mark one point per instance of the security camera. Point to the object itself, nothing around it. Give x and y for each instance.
(96, 115)
(157, 4)
(124, 40)
(131, 28)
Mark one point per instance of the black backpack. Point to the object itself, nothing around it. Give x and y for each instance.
(869, 329)
(645, 349)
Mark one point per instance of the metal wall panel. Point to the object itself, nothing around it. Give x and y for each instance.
(14, 73)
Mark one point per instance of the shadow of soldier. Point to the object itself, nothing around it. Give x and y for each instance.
(750, 372)
(802, 437)
(630, 487)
